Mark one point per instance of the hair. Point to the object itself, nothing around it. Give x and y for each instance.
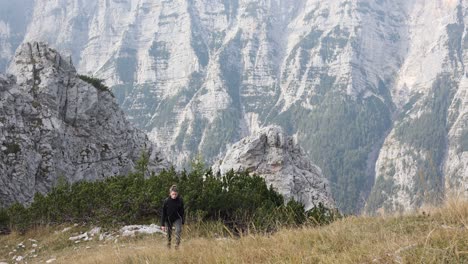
(173, 189)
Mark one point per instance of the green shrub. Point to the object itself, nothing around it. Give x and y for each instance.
(241, 201)
(4, 221)
(321, 215)
(97, 83)
(19, 217)
(12, 148)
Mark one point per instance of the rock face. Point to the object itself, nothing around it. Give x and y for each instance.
(425, 156)
(53, 124)
(374, 91)
(277, 158)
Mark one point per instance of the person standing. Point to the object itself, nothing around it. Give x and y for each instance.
(173, 215)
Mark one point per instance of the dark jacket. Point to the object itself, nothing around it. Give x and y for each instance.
(172, 210)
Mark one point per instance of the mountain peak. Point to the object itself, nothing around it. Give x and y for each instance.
(42, 55)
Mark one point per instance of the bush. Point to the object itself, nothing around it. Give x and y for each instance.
(97, 83)
(4, 222)
(19, 217)
(241, 201)
(320, 215)
(12, 148)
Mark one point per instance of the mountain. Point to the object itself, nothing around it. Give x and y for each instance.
(15, 17)
(374, 91)
(425, 156)
(278, 158)
(53, 124)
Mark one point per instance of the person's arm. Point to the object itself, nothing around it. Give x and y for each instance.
(164, 213)
(182, 211)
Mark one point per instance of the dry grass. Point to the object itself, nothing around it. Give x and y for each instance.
(435, 236)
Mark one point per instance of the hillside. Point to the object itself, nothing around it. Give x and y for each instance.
(429, 236)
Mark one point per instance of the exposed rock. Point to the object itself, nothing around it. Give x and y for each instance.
(83, 237)
(132, 230)
(66, 229)
(53, 124)
(95, 231)
(278, 158)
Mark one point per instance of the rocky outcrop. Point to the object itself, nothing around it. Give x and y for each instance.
(53, 124)
(278, 158)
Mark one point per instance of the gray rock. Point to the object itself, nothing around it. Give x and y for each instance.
(53, 124)
(278, 158)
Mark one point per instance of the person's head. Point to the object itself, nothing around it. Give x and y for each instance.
(173, 192)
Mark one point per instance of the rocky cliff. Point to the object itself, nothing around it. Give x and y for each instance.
(374, 91)
(425, 156)
(53, 124)
(278, 158)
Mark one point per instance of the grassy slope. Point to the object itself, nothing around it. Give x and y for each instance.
(440, 236)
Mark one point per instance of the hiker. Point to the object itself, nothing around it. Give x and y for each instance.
(173, 215)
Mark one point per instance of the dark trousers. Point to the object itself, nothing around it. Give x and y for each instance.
(178, 231)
